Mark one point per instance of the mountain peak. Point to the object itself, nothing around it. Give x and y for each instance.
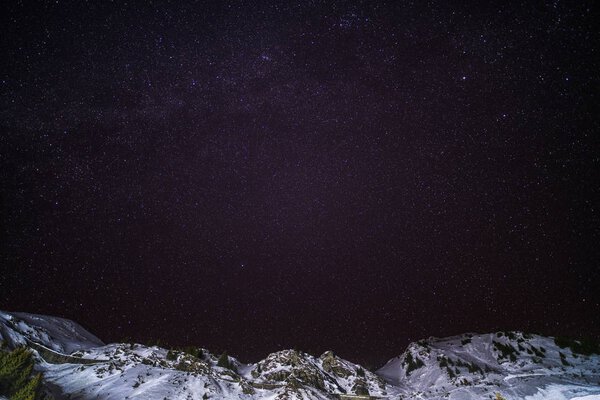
(469, 366)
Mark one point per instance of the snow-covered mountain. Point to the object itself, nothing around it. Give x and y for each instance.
(77, 365)
(516, 365)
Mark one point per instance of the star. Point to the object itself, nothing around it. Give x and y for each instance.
(269, 159)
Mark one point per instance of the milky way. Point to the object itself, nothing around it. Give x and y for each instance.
(253, 176)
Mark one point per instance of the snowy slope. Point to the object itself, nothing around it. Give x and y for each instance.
(327, 373)
(135, 371)
(517, 365)
(77, 364)
(59, 334)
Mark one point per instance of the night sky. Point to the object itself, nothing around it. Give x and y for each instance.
(254, 176)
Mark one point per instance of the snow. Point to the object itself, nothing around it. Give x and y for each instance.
(479, 369)
(566, 392)
(483, 371)
(58, 334)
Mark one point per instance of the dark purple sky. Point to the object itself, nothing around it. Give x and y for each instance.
(253, 176)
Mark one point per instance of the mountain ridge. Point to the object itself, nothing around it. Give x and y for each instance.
(516, 365)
